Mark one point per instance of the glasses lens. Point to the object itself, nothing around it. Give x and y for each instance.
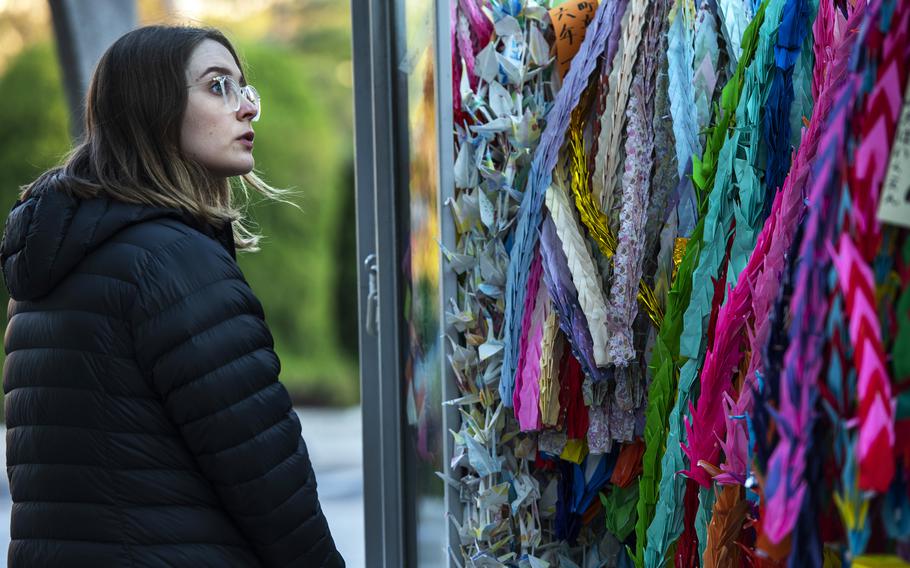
(252, 95)
(233, 94)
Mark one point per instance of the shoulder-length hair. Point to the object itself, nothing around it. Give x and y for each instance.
(130, 149)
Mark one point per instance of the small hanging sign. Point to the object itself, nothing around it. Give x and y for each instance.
(894, 202)
(570, 21)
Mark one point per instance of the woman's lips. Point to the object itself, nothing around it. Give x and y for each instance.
(247, 139)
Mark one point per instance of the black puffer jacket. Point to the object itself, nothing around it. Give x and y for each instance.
(145, 422)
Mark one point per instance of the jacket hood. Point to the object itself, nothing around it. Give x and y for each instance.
(50, 232)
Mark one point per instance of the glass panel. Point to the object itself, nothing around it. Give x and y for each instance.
(425, 523)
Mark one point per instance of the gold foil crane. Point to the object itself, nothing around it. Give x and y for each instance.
(591, 215)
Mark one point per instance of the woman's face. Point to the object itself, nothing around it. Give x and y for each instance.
(212, 134)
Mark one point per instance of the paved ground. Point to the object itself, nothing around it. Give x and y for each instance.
(334, 438)
(336, 450)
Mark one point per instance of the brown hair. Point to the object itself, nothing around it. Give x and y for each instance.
(130, 149)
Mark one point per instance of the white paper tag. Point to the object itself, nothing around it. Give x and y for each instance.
(894, 202)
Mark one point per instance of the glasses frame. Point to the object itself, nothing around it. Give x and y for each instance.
(248, 92)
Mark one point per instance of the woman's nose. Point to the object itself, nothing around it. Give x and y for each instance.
(248, 110)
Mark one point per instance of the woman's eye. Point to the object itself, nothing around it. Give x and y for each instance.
(216, 88)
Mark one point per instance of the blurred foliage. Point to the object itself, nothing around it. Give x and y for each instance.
(22, 23)
(305, 274)
(302, 143)
(34, 131)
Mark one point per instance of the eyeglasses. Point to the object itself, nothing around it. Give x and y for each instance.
(233, 94)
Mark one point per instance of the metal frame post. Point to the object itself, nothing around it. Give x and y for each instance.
(448, 281)
(377, 248)
(83, 31)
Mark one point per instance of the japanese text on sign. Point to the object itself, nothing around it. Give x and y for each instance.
(570, 21)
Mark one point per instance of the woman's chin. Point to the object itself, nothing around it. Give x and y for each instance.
(239, 167)
(250, 164)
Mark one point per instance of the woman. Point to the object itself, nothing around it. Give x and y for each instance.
(145, 422)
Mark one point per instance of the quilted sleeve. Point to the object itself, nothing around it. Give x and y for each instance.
(202, 340)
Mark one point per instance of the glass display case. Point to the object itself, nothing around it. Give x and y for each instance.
(400, 112)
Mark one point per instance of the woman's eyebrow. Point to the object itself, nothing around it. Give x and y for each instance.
(219, 69)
